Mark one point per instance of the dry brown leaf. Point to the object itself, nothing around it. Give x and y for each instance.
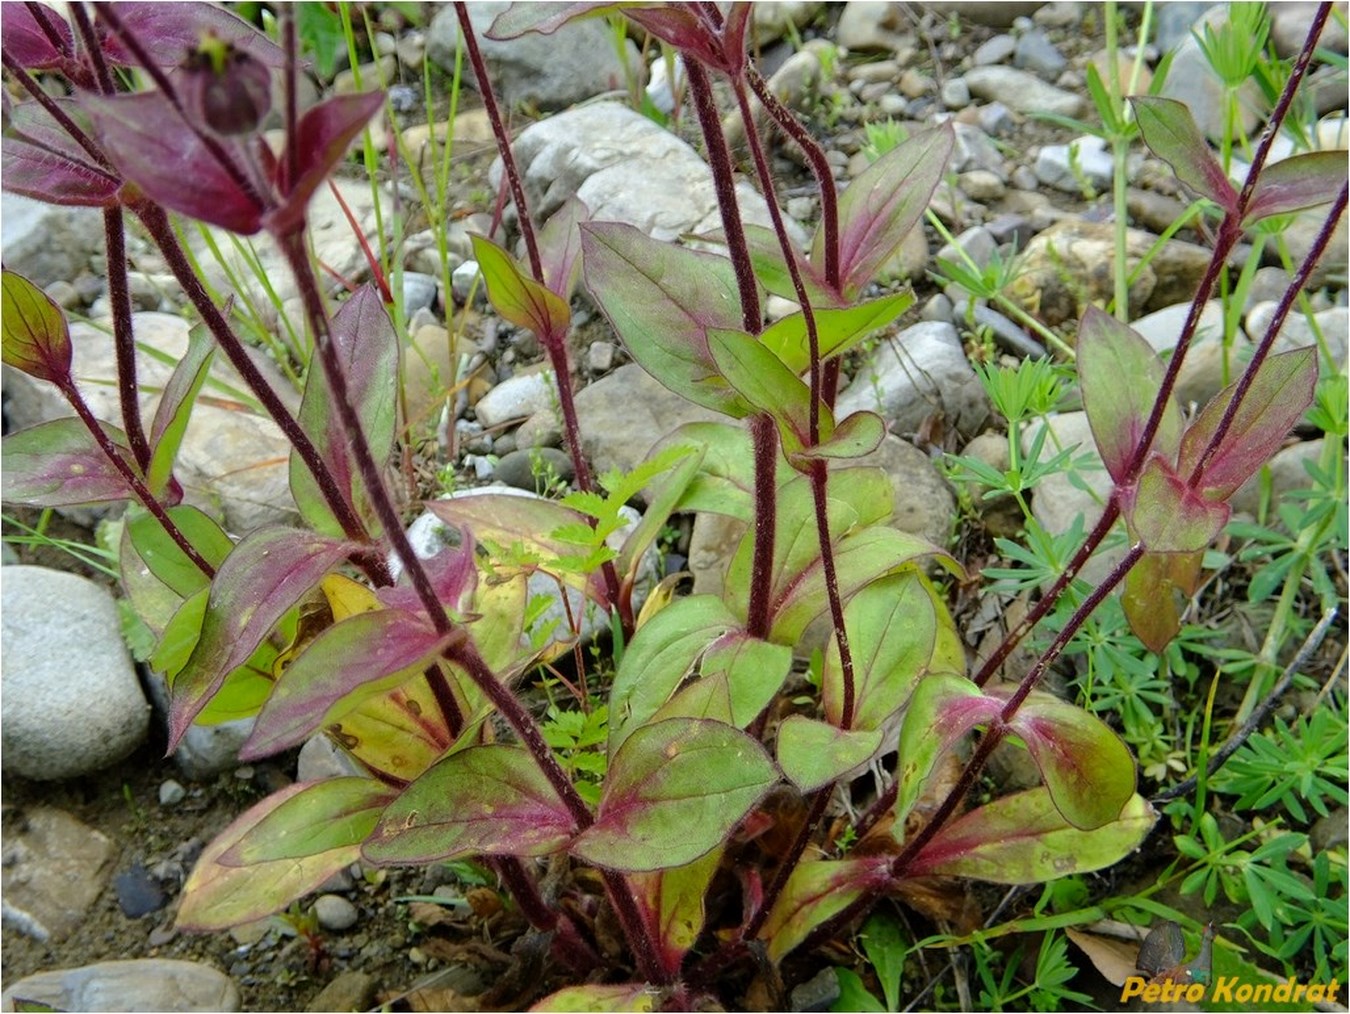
(1114, 959)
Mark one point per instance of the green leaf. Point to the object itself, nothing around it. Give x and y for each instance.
(490, 799)
(686, 458)
(885, 948)
(662, 653)
(358, 658)
(672, 902)
(839, 330)
(560, 249)
(1120, 376)
(1153, 588)
(738, 678)
(263, 577)
(34, 337)
(942, 709)
(766, 385)
(770, 267)
(673, 792)
(858, 435)
(629, 996)
(1169, 129)
(1087, 768)
(165, 558)
(1024, 839)
(1275, 401)
(322, 816)
(816, 891)
(217, 896)
(517, 297)
(367, 348)
(883, 203)
(59, 464)
(1293, 184)
(175, 407)
(892, 628)
(853, 995)
(662, 300)
(813, 754)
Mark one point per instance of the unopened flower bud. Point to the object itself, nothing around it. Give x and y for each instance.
(225, 89)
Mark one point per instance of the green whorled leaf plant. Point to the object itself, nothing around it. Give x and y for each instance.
(308, 629)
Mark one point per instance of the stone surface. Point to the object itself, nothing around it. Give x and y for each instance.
(518, 468)
(548, 72)
(771, 21)
(147, 984)
(47, 243)
(335, 912)
(1296, 332)
(419, 290)
(622, 416)
(53, 870)
(518, 398)
(1068, 166)
(1036, 53)
(205, 750)
(624, 168)
(994, 50)
(71, 704)
(1202, 374)
(1021, 91)
(335, 245)
(1300, 237)
(1069, 264)
(955, 93)
(1287, 473)
(1056, 501)
(794, 83)
(232, 464)
(977, 243)
(1190, 79)
(348, 991)
(1291, 20)
(430, 367)
(870, 25)
(990, 13)
(922, 369)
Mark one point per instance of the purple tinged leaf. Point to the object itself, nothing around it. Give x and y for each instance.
(1170, 131)
(942, 709)
(165, 559)
(814, 754)
(816, 891)
(507, 520)
(489, 800)
(34, 337)
(882, 204)
(770, 267)
(33, 46)
(662, 300)
(1293, 184)
(544, 17)
(368, 349)
(1278, 396)
(266, 574)
(175, 407)
(42, 161)
(322, 138)
(59, 464)
(519, 298)
(1024, 839)
(682, 29)
(1120, 376)
(673, 792)
(453, 574)
(672, 903)
(738, 678)
(358, 658)
(857, 436)
(1155, 590)
(1087, 768)
(321, 816)
(155, 149)
(560, 247)
(217, 897)
(1167, 515)
(170, 31)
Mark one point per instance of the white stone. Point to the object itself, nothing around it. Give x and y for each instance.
(335, 912)
(1021, 91)
(1296, 332)
(1067, 166)
(71, 703)
(1202, 374)
(517, 398)
(921, 370)
(145, 984)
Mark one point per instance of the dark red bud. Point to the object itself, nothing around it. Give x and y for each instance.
(225, 89)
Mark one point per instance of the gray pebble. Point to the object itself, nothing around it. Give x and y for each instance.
(462, 282)
(996, 119)
(996, 50)
(171, 793)
(801, 208)
(530, 469)
(955, 93)
(504, 444)
(600, 357)
(893, 105)
(64, 294)
(419, 291)
(1024, 179)
(335, 912)
(938, 308)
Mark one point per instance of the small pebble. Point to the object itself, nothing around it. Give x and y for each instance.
(482, 466)
(334, 912)
(244, 773)
(600, 357)
(404, 98)
(955, 93)
(462, 282)
(171, 793)
(801, 208)
(938, 307)
(996, 50)
(893, 105)
(1024, 179)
